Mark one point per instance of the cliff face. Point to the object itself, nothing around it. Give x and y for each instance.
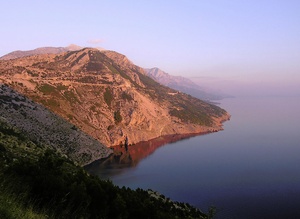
(108, 97)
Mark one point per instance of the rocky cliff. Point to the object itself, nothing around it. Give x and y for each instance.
(108, 97)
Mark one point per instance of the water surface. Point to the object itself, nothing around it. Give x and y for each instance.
(249, 170)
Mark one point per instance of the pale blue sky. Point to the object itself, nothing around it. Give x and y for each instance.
(257, 40)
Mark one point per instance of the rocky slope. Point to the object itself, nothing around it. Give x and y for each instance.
(108, 97)
(44, 127)
(183, 84)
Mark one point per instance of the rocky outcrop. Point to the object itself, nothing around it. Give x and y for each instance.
(108, 97)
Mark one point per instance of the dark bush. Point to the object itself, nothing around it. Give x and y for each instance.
(117, 117)
(108, 96)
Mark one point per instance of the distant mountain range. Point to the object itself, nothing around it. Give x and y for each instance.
(106, 95)
(176, 82)
(41, 50)
(183, 84)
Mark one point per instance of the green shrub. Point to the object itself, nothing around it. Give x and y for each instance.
(117, 117)
(93, 108)
(108, 96)
(110, 127)
(70, 96)
(126, 96)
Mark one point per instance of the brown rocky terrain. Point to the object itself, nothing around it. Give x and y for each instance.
(108, 97)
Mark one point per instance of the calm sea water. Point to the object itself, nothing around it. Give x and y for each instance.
(249, 170)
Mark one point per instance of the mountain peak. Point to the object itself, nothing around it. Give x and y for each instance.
(119, 58)
(108, 97)
(40, 50)
(157, 73)
(73, 47)
(181, 84)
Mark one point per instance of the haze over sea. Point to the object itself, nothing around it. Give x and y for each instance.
(249, 170)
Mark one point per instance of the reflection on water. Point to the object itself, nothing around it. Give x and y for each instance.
(123, 158)
(249, 170)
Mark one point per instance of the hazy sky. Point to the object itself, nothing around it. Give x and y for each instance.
(257, 40)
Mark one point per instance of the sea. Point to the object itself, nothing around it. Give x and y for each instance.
(251, 169)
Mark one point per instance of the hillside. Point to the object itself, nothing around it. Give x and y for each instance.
(46, 128)
(108, 97)
(38, 182)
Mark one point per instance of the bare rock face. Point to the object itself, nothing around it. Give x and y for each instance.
(108, 97)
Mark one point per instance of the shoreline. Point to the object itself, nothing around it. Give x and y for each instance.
(218, 127)
(141, 150)
(144, 148)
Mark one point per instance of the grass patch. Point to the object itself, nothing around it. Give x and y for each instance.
(12, 207)
(70, 96)
(52, 103)
(47, 89)
(61, 87)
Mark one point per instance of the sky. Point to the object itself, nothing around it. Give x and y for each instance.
(231, 41)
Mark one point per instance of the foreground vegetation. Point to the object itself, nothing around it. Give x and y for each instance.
(38, 182)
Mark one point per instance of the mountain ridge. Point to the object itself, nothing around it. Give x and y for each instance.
(182, 84)
(108, 97)
(41, 50)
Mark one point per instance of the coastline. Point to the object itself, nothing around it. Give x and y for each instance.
(122, 157)
(142, 149)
